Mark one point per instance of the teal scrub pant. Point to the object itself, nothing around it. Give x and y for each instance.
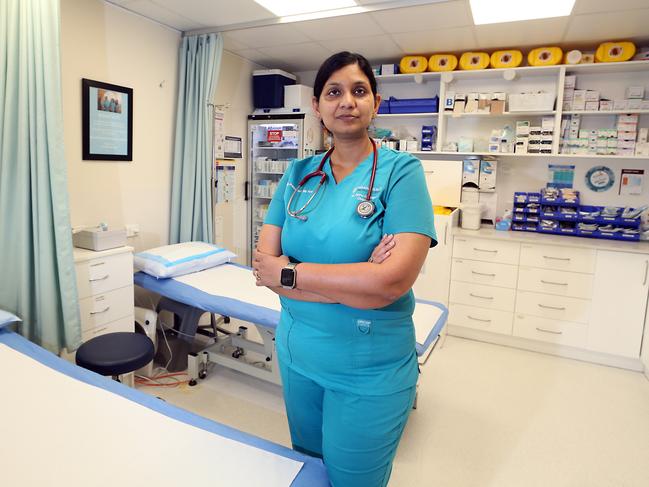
(356, 436)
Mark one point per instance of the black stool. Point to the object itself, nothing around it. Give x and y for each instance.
(116, 353)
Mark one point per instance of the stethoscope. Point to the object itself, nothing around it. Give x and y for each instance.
(365, 208)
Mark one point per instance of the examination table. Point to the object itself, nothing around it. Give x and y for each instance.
(66, 426)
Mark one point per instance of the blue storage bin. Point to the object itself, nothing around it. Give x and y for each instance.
(384, 107)
(268, 87)
(414, 105)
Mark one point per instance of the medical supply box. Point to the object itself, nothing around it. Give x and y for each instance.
(268, 87)
(298, 97)
(98, 239)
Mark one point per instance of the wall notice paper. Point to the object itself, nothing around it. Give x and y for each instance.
(219, 135)
(225, 191)
(80, 435)
(631, 181)
(560, 175)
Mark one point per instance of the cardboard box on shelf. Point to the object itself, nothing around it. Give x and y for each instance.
(570, 81)
(592, 95)
(606, 105)
(635, 92)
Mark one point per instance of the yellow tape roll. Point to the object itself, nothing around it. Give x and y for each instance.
(614, 52)
(442, 62)
(506, 59)
(413, 64)
(545, 56)
(474, 60)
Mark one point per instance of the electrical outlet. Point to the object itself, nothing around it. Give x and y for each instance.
(132, 229)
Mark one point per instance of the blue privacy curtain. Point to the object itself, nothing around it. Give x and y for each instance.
(191, 206)
(37, 279)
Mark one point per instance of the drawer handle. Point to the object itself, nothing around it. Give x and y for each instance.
(555, 283)
(485, 250)
(97, 264)
(481, 297)
(558, 308)
(483, 274)
(549, 331)
(99, 278)
(477, 319)
(99, 312)
(566, 259)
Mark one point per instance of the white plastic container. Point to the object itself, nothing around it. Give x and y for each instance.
(471, 217)
(298, 97)
(530, 102)
(98, 239)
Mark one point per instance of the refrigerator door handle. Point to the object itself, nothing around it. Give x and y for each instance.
(246, 191)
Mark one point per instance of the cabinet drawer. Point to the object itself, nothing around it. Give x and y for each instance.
(501, 275)
(562, 283)
(560, 258)
(122, 324)
(553, 307)
(553, 331)
(104, 308)
(491, 320)
(486, 250)
(104, 274)
(482, 296)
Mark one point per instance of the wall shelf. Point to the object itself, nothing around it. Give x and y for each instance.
(605, 112)
(608, 78)
(407, 115)
(495, 115)
(508, 154)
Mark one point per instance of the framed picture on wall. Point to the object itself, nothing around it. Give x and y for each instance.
(107, 121)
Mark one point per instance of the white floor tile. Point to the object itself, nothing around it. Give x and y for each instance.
(487, 416)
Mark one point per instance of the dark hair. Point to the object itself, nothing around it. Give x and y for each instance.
(337, 61)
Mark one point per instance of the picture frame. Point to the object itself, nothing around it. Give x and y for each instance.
(107, 121)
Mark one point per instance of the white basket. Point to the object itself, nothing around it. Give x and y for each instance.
(531, 102)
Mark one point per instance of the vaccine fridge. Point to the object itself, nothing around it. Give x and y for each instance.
(274, 141)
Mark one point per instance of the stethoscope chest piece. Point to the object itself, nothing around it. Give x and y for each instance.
(365, 208)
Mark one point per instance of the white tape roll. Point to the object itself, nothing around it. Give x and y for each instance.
(573, 57)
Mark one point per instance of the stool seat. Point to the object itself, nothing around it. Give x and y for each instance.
(115, 353)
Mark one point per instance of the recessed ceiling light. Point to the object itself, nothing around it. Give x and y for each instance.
(283, 8)
(497, 11)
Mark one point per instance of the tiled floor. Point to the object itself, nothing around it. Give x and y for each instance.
(487, 416)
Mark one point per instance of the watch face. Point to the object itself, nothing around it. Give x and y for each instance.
(287, 278)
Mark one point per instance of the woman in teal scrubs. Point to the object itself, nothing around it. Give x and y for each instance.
(345, 341)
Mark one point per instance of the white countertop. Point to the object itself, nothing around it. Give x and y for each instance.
(488, 232)
(82, 255)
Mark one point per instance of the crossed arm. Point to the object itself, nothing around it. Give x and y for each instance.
(362, 285)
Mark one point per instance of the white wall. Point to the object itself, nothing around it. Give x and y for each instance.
(234, 89)
(105, 43)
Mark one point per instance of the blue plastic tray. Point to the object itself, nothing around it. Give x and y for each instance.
(414, 105)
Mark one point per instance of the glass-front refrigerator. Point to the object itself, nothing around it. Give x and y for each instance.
(274, 141)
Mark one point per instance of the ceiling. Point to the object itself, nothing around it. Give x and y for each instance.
(391, 29)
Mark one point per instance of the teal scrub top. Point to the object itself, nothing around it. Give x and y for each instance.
(370, 351)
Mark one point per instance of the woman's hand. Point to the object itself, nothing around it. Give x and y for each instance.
(267, 268)
(382, 251)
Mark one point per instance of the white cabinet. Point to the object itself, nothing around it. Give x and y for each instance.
(443, 180)
(619, 303)
(432, 283)
(483, 282)
(105, 288)
(586, 301)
